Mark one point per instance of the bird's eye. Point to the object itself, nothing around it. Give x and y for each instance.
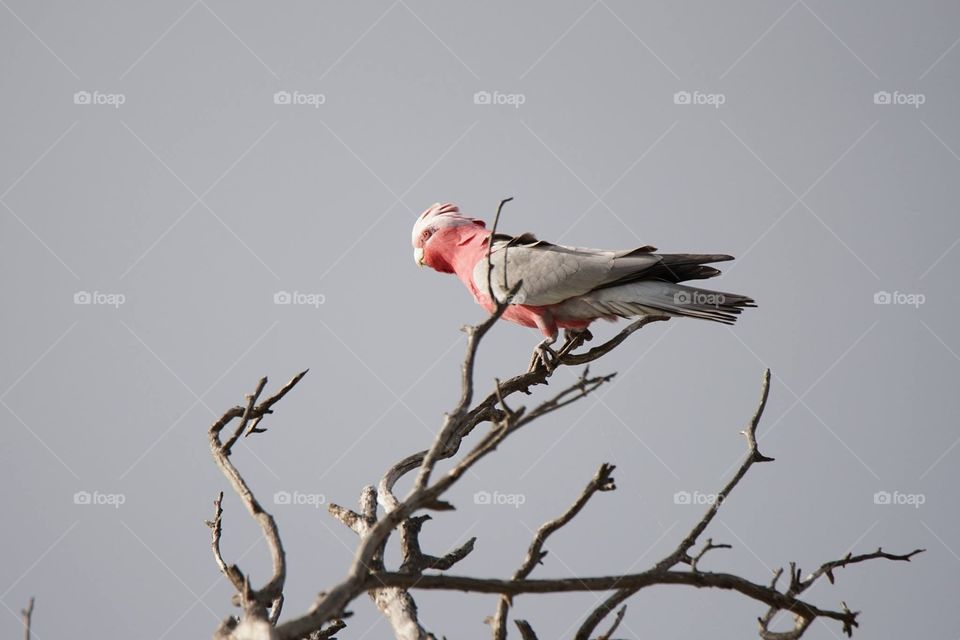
(425, 234)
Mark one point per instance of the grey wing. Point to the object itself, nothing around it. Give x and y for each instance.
(553, 273)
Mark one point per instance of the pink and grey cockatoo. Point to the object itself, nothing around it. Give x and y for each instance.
(566, 287)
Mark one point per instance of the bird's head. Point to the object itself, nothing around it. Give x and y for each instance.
(432, 237)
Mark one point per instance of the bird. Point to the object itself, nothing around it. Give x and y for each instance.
(557, 287)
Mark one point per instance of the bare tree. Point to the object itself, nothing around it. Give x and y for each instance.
(391, 590)
(381, 513)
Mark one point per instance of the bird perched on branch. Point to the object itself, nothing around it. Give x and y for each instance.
(558, 287)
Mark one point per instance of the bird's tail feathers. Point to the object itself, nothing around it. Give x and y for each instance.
(650, 297)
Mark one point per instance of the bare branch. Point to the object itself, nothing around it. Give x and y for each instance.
(611, 344)
(616, 623)
(334, 601)
(636, 581)
(27, 615)
(264, 408)
(601, 481)
(232, 572)
(709, 546)
(329, 632)
(681, 553)
(270, 595)
(246, 417)
(798, 585)
(396, 604)
(352, 519)
(493, 233)
(601, 611)
(828, 567)
(391, 590)
(526, 631)
(415, 561)
(454, 420)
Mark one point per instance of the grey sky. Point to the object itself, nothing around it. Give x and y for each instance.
(187, 193)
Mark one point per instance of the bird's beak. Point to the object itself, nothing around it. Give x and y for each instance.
(418, 256)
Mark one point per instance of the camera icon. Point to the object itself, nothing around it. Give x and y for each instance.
(282, 97)
(81, 97)
(682, 497)
(82, 297)
(482, 497)
(681, 97)
(882, 297)
(282, 497)
(82, 497)
(681, 297)
(482, 97)
(882, 97)
(282, 297)
(881, 497)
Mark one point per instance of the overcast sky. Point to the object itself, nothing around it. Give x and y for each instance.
(170, 171)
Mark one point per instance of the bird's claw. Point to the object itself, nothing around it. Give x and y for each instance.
(544, 356)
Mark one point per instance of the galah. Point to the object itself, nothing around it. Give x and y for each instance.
(567, 287)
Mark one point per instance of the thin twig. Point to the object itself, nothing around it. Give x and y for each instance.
(232, 572)
(27, 615)
(493, 234)
(616, 623)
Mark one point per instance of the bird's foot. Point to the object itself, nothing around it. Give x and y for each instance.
(573, 338)
(583, 333)
(544, 356)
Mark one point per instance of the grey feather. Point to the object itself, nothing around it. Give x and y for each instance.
(554, 273)
(591, 283)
